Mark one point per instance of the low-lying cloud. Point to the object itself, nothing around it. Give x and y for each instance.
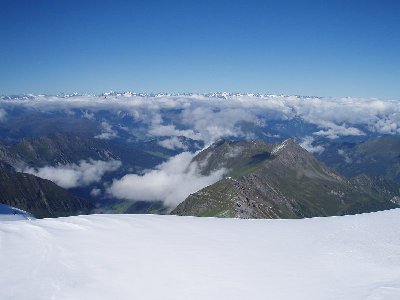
(170, 182)
(173, 143)
(346, 157)
(107, 132)
(211, 117)
(3, 115)
(307, 143)
(334, 131)
(75, 175)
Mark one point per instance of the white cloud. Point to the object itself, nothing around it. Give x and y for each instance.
(173, 143)
(107, 132)
(386, 125)
(170, 182)
(208, 118)
(95, 192)
(333, 131)
(3, 115)
(307, 142)
(213, 123)
(74, 175)
(170, 130)
(347, 159)
(88, 115)
(159, 129)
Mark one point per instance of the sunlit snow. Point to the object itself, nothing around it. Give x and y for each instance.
(170, 257)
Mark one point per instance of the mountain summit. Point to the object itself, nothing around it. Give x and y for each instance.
(278, 181)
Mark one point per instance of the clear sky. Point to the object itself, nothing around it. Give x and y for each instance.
(326, 48)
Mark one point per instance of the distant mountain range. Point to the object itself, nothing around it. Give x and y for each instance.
(281, 181)
(220, 95)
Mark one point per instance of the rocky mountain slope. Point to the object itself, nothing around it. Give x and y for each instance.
(40, 197)
(378, 156)
(281, 181)
(64, 148)
(61, 149)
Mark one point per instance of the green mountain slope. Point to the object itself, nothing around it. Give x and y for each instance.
(278, 181)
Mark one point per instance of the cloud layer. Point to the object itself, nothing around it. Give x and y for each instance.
(173, 143)
(307, 143)
(107, 132)
(199, 117)
(210, 117)
(76, 175)
(170, 182)
(3, 115)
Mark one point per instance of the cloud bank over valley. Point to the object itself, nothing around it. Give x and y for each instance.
(170, 182)
(211, 117)
(75, 175)
(185, 122)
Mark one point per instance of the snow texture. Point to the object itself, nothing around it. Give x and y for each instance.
(170, 257)
(9, 213)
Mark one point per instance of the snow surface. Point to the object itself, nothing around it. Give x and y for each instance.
(9, 213)
(170, 257)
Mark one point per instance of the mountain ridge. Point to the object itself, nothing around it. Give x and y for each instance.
(40, 197)
(288, 182)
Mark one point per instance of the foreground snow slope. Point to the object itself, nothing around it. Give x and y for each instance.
(9, 213)
(169, 257)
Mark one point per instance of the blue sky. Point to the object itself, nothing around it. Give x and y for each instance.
(326, 48)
